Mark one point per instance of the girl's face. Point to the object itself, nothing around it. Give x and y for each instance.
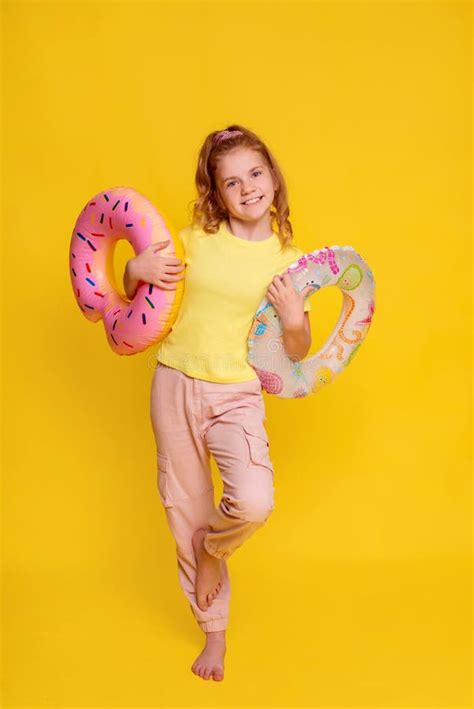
(243, 175)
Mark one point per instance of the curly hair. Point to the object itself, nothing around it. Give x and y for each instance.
(207, 213)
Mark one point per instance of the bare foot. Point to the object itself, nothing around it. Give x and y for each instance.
(210, 663)
(209, 572)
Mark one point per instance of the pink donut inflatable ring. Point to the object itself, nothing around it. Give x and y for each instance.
(121, 213)
(339, 266)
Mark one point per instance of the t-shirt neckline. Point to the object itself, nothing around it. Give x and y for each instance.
(225, 231)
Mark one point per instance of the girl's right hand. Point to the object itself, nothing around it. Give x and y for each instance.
(161, 271)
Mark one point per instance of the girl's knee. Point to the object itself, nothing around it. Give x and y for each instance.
(253, 508)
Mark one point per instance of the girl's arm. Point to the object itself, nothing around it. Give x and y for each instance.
(297, 338)
(147, 267)
(294, 320)
(130, 279)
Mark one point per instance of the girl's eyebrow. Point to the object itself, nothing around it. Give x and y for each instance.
(233, 176)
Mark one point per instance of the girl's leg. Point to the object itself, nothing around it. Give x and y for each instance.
(185, 483)
(236, 437)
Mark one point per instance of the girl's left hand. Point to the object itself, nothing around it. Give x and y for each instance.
(286, 301)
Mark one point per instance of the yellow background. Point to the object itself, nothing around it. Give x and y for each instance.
(356, 593)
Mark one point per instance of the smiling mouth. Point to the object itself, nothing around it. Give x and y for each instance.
(245, 204)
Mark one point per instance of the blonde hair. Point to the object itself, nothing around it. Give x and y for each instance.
(207, 213)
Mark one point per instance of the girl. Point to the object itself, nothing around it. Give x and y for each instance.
(205, 398)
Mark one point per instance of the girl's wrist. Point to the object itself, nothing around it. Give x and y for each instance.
(293, 324)
(130, 268)
(130, 279)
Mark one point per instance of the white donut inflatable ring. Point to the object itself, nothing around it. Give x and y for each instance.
(121, 213)
(339, 266)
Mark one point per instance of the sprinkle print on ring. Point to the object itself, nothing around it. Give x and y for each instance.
(121, 213)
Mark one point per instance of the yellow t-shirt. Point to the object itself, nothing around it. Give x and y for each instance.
(225, 279)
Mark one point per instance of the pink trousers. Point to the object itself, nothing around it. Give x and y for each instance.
(193, 419)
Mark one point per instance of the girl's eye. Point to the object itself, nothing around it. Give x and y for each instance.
(255, 172)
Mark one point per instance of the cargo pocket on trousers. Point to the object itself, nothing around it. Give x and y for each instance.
(259, 448)
(174, 488)
(163, 484)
